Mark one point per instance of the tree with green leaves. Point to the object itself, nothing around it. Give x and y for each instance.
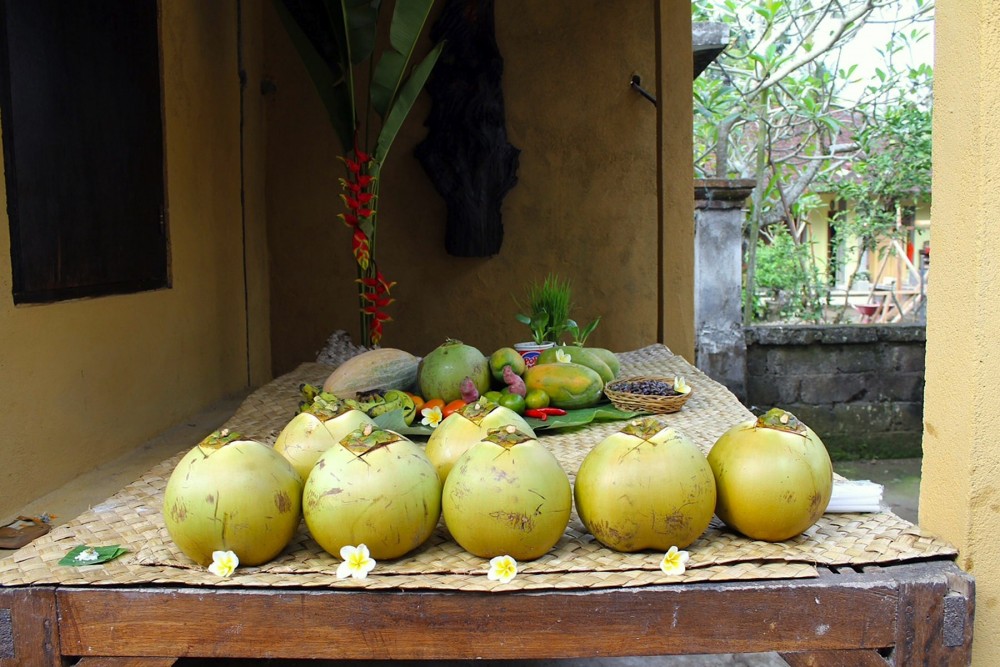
(893, 170)
(781, 106)
(337, 42)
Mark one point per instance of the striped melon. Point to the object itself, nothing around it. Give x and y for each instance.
(380, 369)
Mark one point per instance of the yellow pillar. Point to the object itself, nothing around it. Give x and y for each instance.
(959, 496)
(675, 173)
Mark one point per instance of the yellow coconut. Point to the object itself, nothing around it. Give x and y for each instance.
(507, 495)
(467, 426)
(229, 494)
(645, 486)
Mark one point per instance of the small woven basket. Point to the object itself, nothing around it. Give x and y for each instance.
(641, 402)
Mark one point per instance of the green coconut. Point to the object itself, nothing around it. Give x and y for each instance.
(442, 371)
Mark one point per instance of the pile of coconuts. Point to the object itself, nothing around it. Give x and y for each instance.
(497, 487)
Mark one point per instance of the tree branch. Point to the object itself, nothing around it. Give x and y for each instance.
(819, 49)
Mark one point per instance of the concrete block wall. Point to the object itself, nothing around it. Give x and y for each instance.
(860, 387)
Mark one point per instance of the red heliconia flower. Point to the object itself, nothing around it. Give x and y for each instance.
(358, 196)
(361, 248)
(377, 298)
(385, 286)
(376, 333)
(353, 166)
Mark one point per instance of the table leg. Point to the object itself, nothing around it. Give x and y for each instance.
(935, 617)
(29, 628)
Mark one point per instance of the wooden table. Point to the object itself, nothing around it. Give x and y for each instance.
(907, 614)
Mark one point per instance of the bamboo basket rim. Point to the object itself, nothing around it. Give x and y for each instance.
(624, 400)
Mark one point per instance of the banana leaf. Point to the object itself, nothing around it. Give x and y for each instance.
(330, 34)
(319, 34)
(361, 19)
(404, 102)
(573, 418)
(408, 21)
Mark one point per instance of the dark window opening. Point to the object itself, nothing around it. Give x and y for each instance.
(80, 107)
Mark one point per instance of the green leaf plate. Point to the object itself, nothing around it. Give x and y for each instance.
(87, 555)
(581, 417)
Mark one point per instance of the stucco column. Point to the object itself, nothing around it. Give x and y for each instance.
(674, 170)
(960, 494)
(720, 348)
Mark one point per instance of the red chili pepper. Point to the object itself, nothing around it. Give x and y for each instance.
(544, 413)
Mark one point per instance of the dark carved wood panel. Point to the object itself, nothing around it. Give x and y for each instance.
(466, 153)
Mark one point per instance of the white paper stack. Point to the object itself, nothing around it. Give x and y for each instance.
(856, 496)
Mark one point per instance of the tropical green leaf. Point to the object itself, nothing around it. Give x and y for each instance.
(331, 80)
(83, 554)
(361, 18)
(404, 102)
(408, 20)
(604, 412)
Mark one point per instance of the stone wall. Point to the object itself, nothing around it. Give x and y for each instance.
(859, 387)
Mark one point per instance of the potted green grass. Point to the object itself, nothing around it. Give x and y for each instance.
(548, 306)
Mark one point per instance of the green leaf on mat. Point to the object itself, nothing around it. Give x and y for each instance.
(87, 555)
(581, 417)
(604, 412)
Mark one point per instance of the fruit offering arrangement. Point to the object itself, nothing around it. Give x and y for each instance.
(412, 396)
(483, 471)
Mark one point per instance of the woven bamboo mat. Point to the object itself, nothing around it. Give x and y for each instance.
(132, 519)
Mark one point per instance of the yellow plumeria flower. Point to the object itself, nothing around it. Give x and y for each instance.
(502, 569)
(224, 563)
(563, 357)
(357, 562)
(673, 561)
(680, 386)
(431, 417)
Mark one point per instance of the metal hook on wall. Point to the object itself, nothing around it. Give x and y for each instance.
(636, 83)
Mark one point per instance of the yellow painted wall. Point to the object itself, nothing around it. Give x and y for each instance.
(83, 381)
(585, 205)
(959, 495)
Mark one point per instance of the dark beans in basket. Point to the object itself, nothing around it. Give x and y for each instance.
(645, 387)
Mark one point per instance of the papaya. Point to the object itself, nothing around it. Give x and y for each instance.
(569, 386)
(579, 355)
(608, 357)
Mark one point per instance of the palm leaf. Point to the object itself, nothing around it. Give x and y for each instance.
(404, 102)
(408, 20)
